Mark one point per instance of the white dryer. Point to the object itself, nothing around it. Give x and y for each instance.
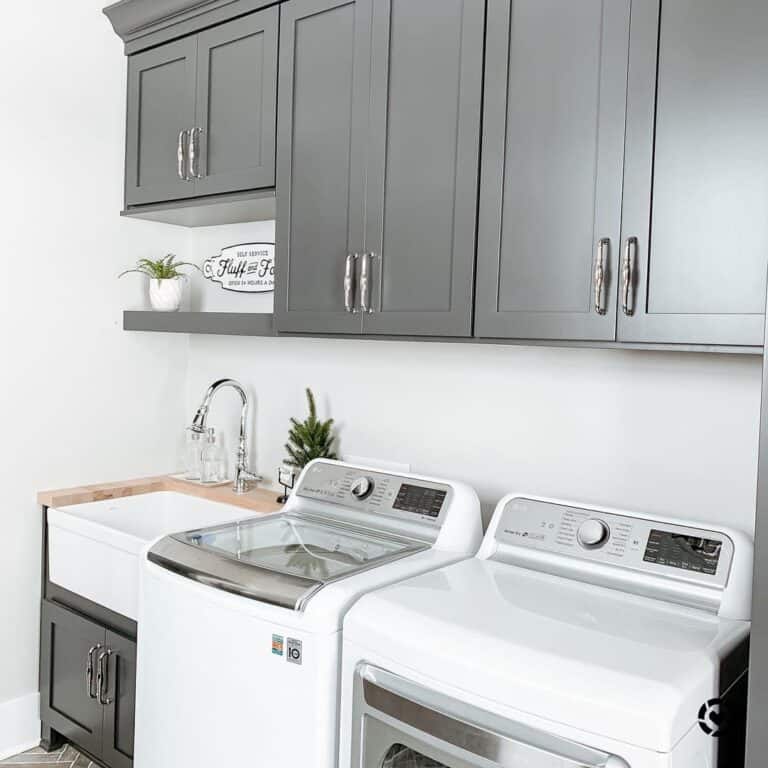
(240, 624)
(578, 637)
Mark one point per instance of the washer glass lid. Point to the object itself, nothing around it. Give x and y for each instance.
(300, 547)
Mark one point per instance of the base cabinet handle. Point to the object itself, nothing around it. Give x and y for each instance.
(102, 677)
(89, 670)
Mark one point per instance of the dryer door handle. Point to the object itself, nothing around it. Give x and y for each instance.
(484, 734)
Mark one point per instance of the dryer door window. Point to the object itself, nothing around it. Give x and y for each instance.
(400, 756)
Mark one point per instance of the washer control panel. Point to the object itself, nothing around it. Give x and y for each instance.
(376, 492)
(663, 549)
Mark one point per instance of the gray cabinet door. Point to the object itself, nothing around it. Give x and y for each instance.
(237, 104)
(422, 173)
(120, 713)
(161, 104)
(322, 116)
(551, 184)
(696, 200)
(65, 703)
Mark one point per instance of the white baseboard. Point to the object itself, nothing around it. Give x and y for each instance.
(19, 725)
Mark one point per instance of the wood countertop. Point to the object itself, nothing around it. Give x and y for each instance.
(259, 501)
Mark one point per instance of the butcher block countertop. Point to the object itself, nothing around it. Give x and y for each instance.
(259, 501)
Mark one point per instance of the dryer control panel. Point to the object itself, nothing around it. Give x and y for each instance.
(634, 543)
(377, 493)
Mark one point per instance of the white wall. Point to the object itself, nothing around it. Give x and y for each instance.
(658, 432)
(81, 400)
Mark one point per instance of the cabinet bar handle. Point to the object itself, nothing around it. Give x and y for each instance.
(365, 283)
(102, 677)
(599, 278)
(627, 276)
(194, 155)
(181, 154)
(89, 670)
(349, 283)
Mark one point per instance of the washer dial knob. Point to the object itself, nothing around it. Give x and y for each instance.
(593, 534)
(362, 488)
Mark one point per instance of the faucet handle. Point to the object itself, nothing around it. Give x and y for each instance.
(245, 480)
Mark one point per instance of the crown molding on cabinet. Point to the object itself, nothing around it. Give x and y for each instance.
(142, 24)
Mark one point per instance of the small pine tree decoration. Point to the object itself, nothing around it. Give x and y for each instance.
(310, 439)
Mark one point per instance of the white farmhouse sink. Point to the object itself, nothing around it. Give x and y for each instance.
(94, 549)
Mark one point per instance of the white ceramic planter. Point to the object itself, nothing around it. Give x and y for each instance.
(165, 295)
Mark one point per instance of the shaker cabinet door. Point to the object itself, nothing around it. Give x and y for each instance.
(422, 172)
(120, 709)
(551, 184)
(322, 113)
(161, 107)
(70, 646)
(695, 229)
(236, 105)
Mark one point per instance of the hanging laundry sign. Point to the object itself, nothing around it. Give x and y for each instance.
(247, 268)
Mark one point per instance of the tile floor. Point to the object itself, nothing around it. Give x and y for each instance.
(66, 757)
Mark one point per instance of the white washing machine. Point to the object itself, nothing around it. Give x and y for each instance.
(578, 637)
(240, 625)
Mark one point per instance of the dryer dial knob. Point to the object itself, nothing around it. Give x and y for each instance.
(593, 534)
(362, 488)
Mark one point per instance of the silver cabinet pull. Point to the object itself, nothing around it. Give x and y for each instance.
(102, 677)
(194, 155)
(601, 258)
(365, 283)
(628, 276)
(181, 154)
(349, 283)
(89, 664)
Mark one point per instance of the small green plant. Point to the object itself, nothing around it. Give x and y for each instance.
(163, 269)
(310, 439)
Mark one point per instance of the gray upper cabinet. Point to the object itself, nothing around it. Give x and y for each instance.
(550, 203)
(202, 111)
(322, 114)
(695, 225)
(422, 166)
(161, 107)
(378, 165)
(236, 104)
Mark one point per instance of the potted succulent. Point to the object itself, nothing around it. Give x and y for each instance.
(166, 281)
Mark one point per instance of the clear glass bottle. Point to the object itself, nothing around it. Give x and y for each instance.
(193, 456)
(214, 464)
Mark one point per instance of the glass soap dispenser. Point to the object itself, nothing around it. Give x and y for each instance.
(214, 464)
(193, 456)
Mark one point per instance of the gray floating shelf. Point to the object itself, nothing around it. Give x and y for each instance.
(221, 323)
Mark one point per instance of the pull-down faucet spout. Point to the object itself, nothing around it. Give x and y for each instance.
(244, 478)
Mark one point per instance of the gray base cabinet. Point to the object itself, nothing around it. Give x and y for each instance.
(378, 165)
(201, 113)
(88, 684)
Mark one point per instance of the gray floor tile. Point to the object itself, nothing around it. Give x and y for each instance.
(66, 757)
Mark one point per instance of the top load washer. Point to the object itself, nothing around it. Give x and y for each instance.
(240, 624)
(578, 637)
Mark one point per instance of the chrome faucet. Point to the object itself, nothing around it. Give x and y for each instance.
(244, 478)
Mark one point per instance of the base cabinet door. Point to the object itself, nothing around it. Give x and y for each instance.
(161, 112)
(322, 113)
(234, 135)
(120, 702)
(70, 648)
(422, 172)
(552, 168)
(695, 231)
